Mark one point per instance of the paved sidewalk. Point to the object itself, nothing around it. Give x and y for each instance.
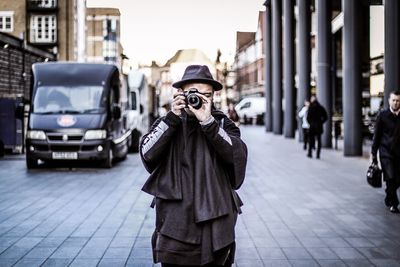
(298, 212)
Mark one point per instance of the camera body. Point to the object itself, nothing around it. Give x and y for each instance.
(192, 99)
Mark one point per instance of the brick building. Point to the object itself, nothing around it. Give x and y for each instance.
(249, 61)
(103, 35)
(48, 24)
(16, 59)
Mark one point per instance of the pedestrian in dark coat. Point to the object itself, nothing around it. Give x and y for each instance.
(387, 141)
(196, 160)
(316, 117)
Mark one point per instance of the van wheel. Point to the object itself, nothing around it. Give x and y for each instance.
(245, 120)
(31, 163)
(108, 162)
(2, 150)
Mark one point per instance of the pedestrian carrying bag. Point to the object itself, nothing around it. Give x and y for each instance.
(374, 176)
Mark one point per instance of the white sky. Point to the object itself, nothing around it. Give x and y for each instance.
(156, 29)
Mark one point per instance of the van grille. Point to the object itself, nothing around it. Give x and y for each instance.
(57, 148)
(59, 137)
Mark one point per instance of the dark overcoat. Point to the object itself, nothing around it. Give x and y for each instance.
(316, 117)
(387, 140)
(194, 172)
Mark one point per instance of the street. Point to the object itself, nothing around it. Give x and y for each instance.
(297, 212)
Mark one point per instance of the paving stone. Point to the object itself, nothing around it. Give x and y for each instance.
(40, 253)
(14, 252)
(121, 242)
(304, 263)
(322, 253)
(385, 263)
(297, 212)
(117, 253)
(312, 242)
(7, 241)
(348, 253)
(296, 253)
(358, 263)
(271, 253)
(66, 253)
(8, 262)
(57, 262)
(51, 242)
(249, 263)
(30, 262)
(276, 263)
(331, 263)
(84, 263)
(114, 262)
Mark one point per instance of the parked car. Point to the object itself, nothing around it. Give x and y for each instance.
(251, 110)
(75, 114)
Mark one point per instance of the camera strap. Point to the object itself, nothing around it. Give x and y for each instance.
(184, 127)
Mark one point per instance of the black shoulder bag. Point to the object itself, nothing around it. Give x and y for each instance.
(374, 176)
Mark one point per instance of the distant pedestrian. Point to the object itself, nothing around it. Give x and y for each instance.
(387, 141)
(232, 114)
(196, 161)
(304, 123)
(316, 117)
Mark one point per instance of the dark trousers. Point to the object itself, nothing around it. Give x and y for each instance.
(305, 137)
(312, 138)
(391, 192)
(391, 175)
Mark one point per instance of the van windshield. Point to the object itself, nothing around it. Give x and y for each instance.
(65, 99)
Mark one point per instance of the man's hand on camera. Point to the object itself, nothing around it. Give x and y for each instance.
(203, 113)
(178, 103)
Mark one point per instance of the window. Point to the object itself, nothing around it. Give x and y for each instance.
(72, 99)
(43, 29)
(245, 105)
(43, 3)
(6, 21)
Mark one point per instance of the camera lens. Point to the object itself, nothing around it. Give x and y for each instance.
(194, 101)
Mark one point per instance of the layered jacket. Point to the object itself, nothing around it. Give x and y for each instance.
(194, 172)
(386, 135)
(316, 117)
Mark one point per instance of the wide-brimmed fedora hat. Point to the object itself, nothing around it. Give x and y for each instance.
(198, 74)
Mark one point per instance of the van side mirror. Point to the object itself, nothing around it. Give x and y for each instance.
(116, 112)
(19, 111)
(141, 109)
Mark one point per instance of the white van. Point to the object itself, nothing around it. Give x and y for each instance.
(251, 110)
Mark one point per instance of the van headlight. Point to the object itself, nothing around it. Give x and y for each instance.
(95, 134)
(37, 135)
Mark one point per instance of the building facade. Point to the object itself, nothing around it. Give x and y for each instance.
(48, 24)
(347, 72)
(103, 36)
(249, 61)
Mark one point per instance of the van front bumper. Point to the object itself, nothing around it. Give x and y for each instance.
(87, 150)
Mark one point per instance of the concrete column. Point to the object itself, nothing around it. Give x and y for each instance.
(81, 30)
(304, 55)
(352, 78)
(392, 47)
(277, 66)
(324, 64)
(268, 72)
(288, 70)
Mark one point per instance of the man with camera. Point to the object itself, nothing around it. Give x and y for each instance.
(196, 160)
(387, 141)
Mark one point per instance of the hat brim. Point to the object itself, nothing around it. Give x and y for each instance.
(215, 84)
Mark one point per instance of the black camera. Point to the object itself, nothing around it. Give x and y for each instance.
(192, 99)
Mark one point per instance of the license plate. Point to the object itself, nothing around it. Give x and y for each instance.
(65, 155)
